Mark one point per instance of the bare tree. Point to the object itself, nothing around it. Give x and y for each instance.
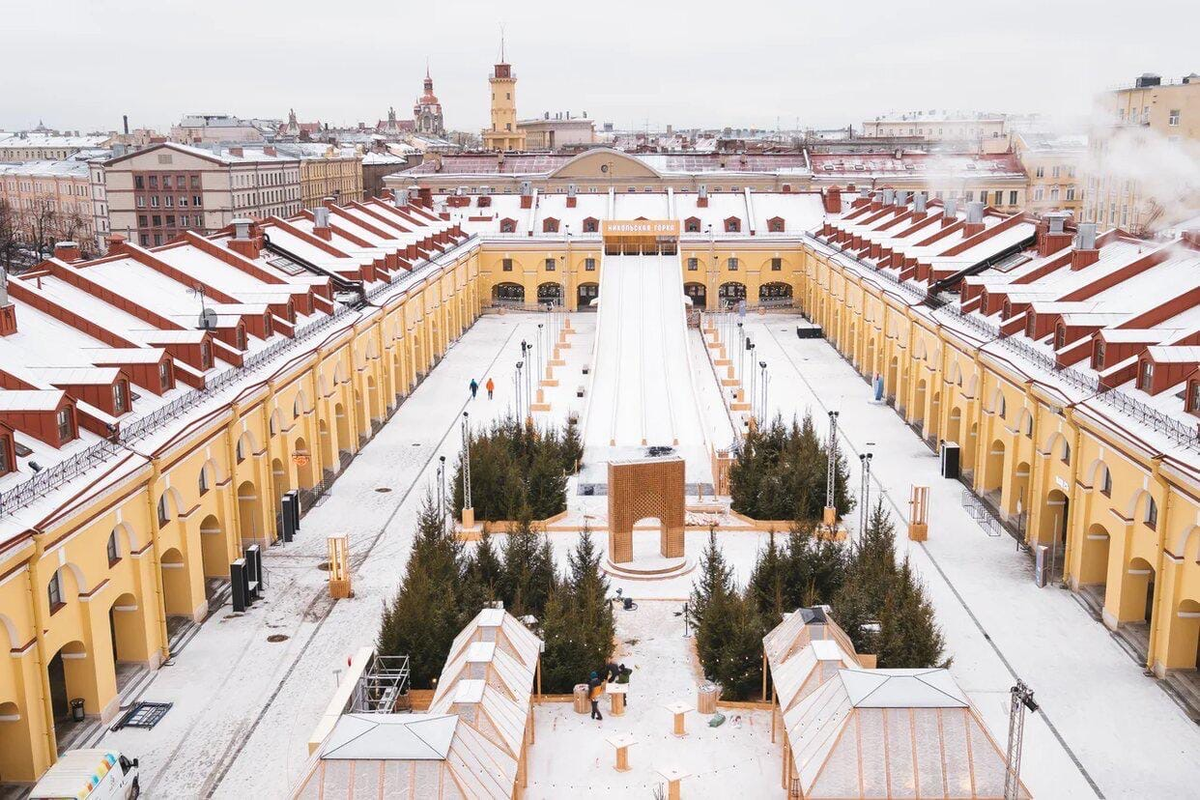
(42, 223)
(9, 233)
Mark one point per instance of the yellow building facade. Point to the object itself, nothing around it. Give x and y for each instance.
(334, 175)
(94, 586)
(138, 554)
(1132, 532)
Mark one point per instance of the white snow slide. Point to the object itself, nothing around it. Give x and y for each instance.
(642, 390)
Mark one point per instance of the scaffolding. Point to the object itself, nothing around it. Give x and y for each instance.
(383, 683)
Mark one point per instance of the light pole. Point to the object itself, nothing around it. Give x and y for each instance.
(441, 479)
(865, 491)
(753, 392)
(541, 353)
(517, 383)
(762, 365)
(741, 366)
(468, 512)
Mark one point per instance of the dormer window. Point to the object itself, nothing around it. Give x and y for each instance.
(205, 355)
(691, 225)
(1193, 398)
(591, 225)
(268, 329)
(1060, 336)
(241, 338)
(1146, 379)
(1006, 312)
(120, 398)
(775, 225)
(508, 226)
(5, 462)
(733, 225)
(550, 225)
(1098, 354)
(66, 427)
(164, 376)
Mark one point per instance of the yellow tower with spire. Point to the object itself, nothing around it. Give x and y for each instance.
(503, 134)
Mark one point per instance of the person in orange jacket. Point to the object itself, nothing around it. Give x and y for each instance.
(491, 387)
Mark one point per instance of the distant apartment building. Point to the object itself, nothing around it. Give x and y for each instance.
(377, 166)
(937, 125)
(1054, 166)
(326, 171)
(215, 129)
(1148, 126)
(50, 202)
(560, 131)
(34, 146)
(157, 193)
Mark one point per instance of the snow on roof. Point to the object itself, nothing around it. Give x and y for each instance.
(895, 688)
(1174, 354)
(48, 169)
(391, 737)
(74, 376)
(30, 399)
(926, 748)
(49, 140)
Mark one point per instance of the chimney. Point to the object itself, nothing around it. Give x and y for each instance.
(974, 219)
(833, 200)
(116, 244)
(244, 241)
(399, 197)
(901, 198)
(125, 123)
(68, 252)
(918, 205)
(877, 201)
(864, 197)
(1051, 237)
(702, 196)
(949, 211)
(571, 198)
(8, 312)
(1085, 252)
(526, 194)
(270, 150)
(321, 223)
(889, 197)
(236, 151)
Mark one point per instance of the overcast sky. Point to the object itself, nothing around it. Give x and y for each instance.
(83, 63)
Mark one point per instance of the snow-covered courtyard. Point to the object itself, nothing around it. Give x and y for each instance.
(244, 707)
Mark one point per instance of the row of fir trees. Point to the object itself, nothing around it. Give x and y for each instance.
(517, 466)
(878, 600)
(444, 586)
(780, 472)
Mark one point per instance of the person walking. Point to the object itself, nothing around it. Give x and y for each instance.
(474, 387)
(595, 689)
(491, 387)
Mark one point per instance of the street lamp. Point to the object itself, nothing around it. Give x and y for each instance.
(468, 508)
(517, 387)
(865, 491)
(762, 365)
(741, 366)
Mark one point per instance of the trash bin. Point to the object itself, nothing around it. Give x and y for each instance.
(77, 709)
(582, 704)
(706, 697)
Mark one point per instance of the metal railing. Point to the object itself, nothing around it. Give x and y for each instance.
(1180, 433)
(49, 479)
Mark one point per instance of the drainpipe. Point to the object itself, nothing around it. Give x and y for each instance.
(1163, 517)
(39, 624)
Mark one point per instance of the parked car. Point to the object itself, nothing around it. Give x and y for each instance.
(95, 774)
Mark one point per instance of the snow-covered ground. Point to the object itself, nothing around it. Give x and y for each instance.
(244, 707)
(572, 757)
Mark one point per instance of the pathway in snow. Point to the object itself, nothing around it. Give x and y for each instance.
(244, 708)
(571, 757)
(1128, 736)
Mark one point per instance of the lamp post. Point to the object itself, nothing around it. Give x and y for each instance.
(441, 479)
(753, 392)
(741, 367)
(468, 512)
(762, 365)
(517, 383)
(865, 491)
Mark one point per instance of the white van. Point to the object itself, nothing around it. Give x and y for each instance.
(96, 774)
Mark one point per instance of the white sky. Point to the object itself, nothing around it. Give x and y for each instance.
(82, 63)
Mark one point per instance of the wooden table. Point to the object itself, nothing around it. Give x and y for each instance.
(616, 694)
(678, 708)
(622, 741)
(672, 776)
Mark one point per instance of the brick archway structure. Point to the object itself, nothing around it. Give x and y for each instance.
(649, 488)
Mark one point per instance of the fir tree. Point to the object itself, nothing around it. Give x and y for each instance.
(729, 644)
(578, 626)
(767, 588)
(528, 575)
(716, 579)
(908, 635)
(426, 613)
